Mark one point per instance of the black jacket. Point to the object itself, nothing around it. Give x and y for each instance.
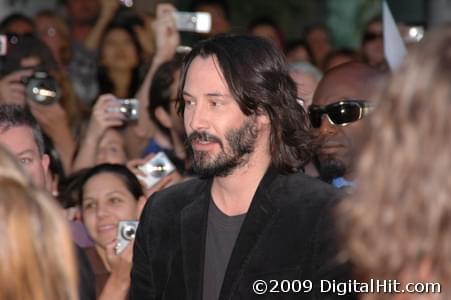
(287, 235)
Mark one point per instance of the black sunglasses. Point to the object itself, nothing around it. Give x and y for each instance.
(339, 113)
(371, 36)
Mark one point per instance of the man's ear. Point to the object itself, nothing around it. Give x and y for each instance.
(263, 118)
(163, 117)
(45, 162)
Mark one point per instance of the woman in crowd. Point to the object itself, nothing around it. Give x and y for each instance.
(108, 194)
(37, 255)
(397, 223)
(119, 62)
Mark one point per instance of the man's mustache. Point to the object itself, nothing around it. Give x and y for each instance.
(202, 136)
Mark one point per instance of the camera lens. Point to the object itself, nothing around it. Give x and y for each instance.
(128, 232)
(158, 169)
(42, 88)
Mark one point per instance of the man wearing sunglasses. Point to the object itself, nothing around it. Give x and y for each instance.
(340, 104)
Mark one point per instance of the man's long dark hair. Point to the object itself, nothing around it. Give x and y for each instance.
(258, 79)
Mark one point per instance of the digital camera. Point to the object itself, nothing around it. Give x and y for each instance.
(128, 107)
(193, 21)
(3, 45)
(42, 88)
(126, 231)
(155, 169)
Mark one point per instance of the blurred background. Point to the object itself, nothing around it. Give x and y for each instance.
(345, 18)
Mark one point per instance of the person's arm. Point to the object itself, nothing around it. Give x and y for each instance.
(54, 122)
(167, 39)
(107, 12)
(102, 118)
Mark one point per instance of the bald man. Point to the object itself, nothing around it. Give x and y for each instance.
(341, 102)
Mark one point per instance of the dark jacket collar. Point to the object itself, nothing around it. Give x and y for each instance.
(194, 225)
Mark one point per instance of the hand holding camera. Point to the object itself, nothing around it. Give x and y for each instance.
(11, 88)
(120, 262)
(151, 181)
(105, 114)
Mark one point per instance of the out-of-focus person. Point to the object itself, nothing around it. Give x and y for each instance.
(37, 257)
(318, 39)
(119, 61)
(17, 23)
(396, 224)
(82, 16)
(307, 77)
(373, 44)
(298, 51)
(267, 28)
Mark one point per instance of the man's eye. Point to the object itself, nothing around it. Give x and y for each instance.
(215, 103)
(189, 102)
(25, 160)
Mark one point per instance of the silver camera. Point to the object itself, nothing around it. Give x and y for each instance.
(3, 45)
(155, 169)
(42, 88)
(193, 21)
(126, 231)
(130, 108)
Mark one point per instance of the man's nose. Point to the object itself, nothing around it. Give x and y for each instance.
(198, 118)
(327, 128)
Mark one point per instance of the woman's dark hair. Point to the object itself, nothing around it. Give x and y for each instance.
(15, 17)
(121, 171)
(258, 78)
(160, 89)
(106, 85)
(23, 46)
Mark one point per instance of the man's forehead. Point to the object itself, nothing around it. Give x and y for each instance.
(18, 139)
(351, 82)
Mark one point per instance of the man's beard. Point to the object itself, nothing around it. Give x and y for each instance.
(241, 142)
(331, 168)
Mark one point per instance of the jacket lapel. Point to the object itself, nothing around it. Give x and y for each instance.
(260, 215)
(193, 233)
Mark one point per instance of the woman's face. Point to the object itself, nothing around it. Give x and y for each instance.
(119, 51)
(48, 32)
(106, 201)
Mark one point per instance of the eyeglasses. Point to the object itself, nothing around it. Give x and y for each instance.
(339, 113)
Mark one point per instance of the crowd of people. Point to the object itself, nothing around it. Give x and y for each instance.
(270, 161)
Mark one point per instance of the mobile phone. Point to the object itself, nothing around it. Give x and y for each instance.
(155, 169)
(193, 21)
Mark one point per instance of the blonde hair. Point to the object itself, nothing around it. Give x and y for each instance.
(400, 215)
(37, 256)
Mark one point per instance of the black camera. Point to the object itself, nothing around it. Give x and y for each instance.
(42, 88)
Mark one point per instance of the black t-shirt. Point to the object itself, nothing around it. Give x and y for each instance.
(222, 231)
